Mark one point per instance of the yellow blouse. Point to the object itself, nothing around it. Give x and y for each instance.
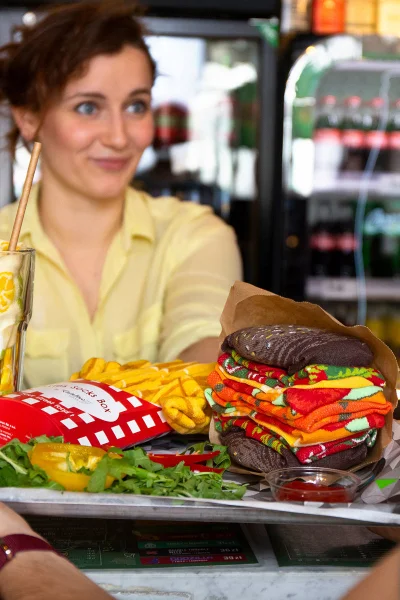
(164, 284)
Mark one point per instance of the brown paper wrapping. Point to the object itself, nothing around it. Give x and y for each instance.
(249, 306)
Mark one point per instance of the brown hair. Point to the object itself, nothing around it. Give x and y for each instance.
(35, 68)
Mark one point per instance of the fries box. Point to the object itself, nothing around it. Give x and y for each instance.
(83, 412)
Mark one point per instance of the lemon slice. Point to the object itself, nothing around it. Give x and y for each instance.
(7, 291)
(4, 246)
(8, 333)
(6, 375)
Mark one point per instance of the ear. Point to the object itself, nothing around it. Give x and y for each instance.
(27, 122)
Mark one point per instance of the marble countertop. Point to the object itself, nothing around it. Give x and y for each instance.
(265, 580)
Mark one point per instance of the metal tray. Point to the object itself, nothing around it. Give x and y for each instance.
(121, 506)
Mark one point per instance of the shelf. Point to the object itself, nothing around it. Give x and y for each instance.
(384, 185)
(342, 289)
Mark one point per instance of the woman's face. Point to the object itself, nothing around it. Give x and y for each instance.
(93, 137)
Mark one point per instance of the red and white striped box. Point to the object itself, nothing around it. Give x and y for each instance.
(83, 412)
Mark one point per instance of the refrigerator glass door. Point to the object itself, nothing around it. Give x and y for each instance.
(341, 178)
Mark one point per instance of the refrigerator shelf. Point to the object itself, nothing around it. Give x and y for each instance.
(384, 185)
(341, 289)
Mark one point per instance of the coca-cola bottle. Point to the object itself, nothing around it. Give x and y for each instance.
(322, 244)
(393, 138)
(374, 136)
(346, 243)
(353, 136)
(327, 139)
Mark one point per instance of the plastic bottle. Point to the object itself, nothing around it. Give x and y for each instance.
(376, 321)
(328, 16)
(352, 127)
(374, 136)
(393, 136)
(322, 244)
(346, 243)
(295, 16)
(327, 138)
(388, 22)
(361, 16)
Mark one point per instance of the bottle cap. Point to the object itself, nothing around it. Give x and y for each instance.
(377, 102)
(329, 99)
(353, 101)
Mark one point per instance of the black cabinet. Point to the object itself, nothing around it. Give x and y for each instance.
(238, 9)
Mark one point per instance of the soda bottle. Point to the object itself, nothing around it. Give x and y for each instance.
(373, 224)
(353, 136)
(295, 16)
(393, 135)
(346, 243)
(393, 330)
(376, 321)
(388, 22)
(374, 137)
(328, 16)
(336, 230)
(361, 17)
(322, 244)
(383, 242)
(327, 138)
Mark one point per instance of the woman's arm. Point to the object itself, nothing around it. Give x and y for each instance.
(204, 351)
(198, 288)
(41, 575)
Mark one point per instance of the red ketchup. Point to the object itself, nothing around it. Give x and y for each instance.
(300, 491)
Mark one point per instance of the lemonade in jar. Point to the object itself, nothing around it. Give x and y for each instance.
(16, 290)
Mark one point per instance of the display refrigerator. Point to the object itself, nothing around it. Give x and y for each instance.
(340, 194)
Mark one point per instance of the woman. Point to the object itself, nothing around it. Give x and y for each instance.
(118, 274)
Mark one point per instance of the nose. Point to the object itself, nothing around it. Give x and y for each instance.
(115, 132)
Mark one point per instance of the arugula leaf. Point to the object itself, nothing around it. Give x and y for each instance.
(222, 461)
(97, 481)
(44, 439)
(17, 467)
(133, 472)
(16, 470)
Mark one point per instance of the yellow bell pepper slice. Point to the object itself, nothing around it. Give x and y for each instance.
(62, 462)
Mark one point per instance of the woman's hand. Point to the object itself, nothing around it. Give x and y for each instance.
(390, 533)
(204, 351)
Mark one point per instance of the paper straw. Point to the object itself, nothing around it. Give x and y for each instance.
(19, 217)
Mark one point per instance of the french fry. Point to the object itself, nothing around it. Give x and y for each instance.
(176, 386)
(92, 367)
(111, 367)
(136, 364)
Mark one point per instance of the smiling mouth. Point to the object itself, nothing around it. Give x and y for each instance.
(111, 164)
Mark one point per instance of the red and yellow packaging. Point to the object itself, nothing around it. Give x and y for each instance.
(84, 412)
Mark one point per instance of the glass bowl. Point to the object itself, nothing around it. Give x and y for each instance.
(313, 484)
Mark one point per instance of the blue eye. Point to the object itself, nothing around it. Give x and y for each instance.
(137, 107)
(86, 108)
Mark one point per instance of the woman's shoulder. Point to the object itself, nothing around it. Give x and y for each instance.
(167, 211)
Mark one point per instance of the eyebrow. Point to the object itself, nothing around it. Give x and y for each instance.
(100, 96)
